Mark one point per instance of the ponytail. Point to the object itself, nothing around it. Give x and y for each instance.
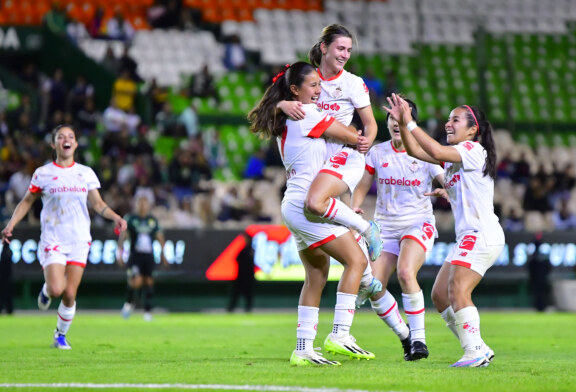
(484, 135)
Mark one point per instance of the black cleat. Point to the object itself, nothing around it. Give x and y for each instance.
(407, 347)
(418, 350)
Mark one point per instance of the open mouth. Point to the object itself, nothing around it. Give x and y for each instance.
(67, 146)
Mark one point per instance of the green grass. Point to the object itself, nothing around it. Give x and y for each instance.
(534, 352)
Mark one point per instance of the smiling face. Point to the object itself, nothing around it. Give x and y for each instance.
(65, 144)
(394, 130)
(309, 90)
(336, 55)
(457, 128)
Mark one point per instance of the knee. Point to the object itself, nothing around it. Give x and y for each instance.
(406, 276)
(315, 204)
(438, 299)
(69, 294)
(56, 290)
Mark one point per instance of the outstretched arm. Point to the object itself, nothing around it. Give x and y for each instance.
(104, 211)
(19, 212)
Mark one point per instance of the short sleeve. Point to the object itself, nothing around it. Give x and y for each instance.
(360, 96)
(473, 155)
(36, 183)
(92, 181)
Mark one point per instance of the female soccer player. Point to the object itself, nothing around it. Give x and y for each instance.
(303, 150)
(407, 229)
(65, 187)
(342, 94)
(469, 170)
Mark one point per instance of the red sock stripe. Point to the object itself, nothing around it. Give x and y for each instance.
(389, 310)
(414, 312)
(330, 208)
(63, 319)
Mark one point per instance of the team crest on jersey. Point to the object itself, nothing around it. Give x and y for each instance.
(339, 159)
(414, 167)
(468, 242)
(337, 93)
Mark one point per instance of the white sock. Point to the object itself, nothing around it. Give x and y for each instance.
(339, 212)
(468, 328)
(415, 311)
(65, 317)
(450, 318)
(367, 276)
(387, 309)
(344, 313)
(307, 327)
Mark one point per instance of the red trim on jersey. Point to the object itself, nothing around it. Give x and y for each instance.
(321, 127)
(332, 78)
(283, 141)
(63, 319)
(442, 164)
(370, 169)
(389, 310)
(411, 237)
(322, 242)
(414, 311)
(395, 150)
(335, 174)
(78, 263)
(460, 263)
(34, 189)
(63, 167)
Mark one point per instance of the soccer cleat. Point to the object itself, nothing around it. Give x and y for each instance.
(488, 352)
(407, 346)
(472, 359)
(346, 345)
(366, 292)
(60, 341)
(418, 350)
(43, 301)
(126, 310)
(310, 358)
(372, 237)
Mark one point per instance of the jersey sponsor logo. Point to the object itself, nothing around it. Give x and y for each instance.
(66, 189)
(468, 242)
(326, 106)
(339, 159)
(468, 145)
(399, 181)
(428, 229)
(450, 183)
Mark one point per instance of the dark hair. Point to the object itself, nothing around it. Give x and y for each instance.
(55, 132)
(476, 117)
(329, 34)
(265, 118)
(414, 110)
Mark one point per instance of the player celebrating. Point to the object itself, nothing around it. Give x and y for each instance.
(143, 229)
(404, 214)
(65, 187)
(342, 94)
(469, 170)
(303, 152)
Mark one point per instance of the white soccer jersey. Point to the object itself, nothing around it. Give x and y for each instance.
(472, 193)
(303, 150)
(64, 218)
(402, 181)
(342, 94)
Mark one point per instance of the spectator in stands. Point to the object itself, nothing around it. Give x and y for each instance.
(76, 31)
(114, 122)
(506, 167)
(564, 182)
(564, 218)
(157, 95)
(165, 14)
(88, 118)
(202, 85)
(189, 120)
(391, 84)
(513, 222)
(256, 165)
(521, 174)
(128, 63)
(124, 91)
(470, 168)
(4, 130)
(55, 93)
(187, 22)
(110, 61)
(536, 196)
(234, 54)
(233, 206)
(96, 26)
(119, 28)
(79, 94)
(167, 121)
(184, 216)
(132, 122)
(27, 107)
(30, 76)
(55, 19)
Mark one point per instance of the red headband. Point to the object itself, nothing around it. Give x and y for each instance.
(275, 78)
(475, 120)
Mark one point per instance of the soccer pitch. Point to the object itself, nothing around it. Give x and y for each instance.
(250, 352)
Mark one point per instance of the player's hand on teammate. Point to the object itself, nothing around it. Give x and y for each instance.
(363, 144)
(438, 192)
(293, 109)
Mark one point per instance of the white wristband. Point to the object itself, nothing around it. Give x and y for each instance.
(411, 126)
